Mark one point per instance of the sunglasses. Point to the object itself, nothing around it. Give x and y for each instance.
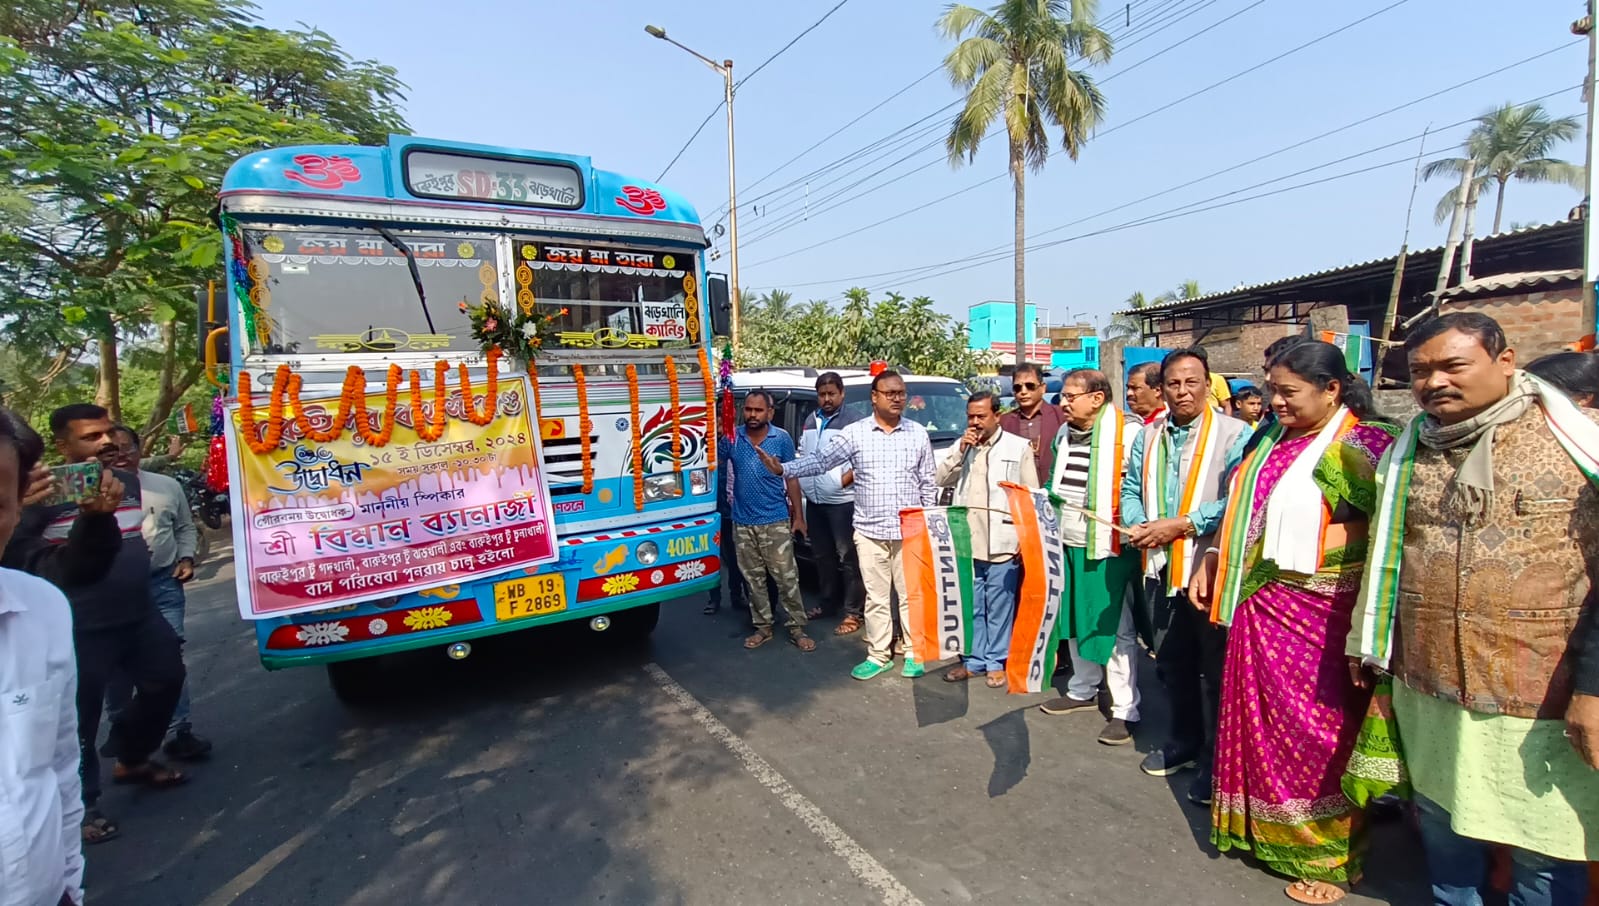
(1024, 386)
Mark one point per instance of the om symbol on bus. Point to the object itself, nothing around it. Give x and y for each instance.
(320, 172)
(641, 201)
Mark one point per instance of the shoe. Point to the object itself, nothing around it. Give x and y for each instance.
(1066, 705)
(868, 669)
(185, 746)
(1199, 792)
(1166, 761)
(1116, 733)
(912, 668)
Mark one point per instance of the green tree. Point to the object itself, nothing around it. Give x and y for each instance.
(910, 334)
(1127, 325)
(1510, 142)
(118, 119)
(1014, 63)
(1188, 289)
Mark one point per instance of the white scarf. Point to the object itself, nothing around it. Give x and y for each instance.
(1292, 537)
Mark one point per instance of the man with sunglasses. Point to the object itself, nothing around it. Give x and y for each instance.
(892, 459)
(1033, 420)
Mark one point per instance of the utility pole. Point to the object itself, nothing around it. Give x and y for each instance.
(1590, 249)
(732, 205)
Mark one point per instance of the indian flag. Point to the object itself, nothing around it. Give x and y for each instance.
(1351, 344)
(1031, 661)
(938, 580)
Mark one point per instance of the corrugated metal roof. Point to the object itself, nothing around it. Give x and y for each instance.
(1331, 271)
(1503, 282)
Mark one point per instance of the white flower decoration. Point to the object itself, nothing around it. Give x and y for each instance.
(530, 329)
(312, 634)
(378, 626)
(693, 569)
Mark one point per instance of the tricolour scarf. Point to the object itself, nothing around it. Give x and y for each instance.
(1106, 457)
(1296, 518)
(1180, 554)
(1379, 589)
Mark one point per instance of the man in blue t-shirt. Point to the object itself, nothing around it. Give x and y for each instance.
(766, 514)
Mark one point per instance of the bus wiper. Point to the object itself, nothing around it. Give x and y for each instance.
(410, 263)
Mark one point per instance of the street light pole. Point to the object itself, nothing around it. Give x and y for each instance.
(725, 70)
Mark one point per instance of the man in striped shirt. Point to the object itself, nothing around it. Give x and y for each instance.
(1097, 620)
(892, 459)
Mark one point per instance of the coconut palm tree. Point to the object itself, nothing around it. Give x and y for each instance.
(1510, 142)
(1014, 62)
(1188, 289)
(1128, 325)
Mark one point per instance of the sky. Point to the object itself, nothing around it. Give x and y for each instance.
(1145, 206)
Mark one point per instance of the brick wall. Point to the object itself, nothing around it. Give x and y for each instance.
(1536, 323)
(1234, 350)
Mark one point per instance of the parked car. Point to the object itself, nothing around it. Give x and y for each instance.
(937, 403)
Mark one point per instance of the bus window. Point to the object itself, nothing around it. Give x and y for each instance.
(334, 291)
(611, 292)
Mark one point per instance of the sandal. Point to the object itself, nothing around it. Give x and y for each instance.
(803, 642)
(996, 681)
(959, 674)
(757, 639)
(847, 626)
(1314, 892)
(152, 774)
(97, 828)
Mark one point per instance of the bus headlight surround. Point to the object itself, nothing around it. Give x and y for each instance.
(647, 552)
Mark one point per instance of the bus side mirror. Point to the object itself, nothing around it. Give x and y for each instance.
(721, 310)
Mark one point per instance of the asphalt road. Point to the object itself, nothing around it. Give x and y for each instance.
(562, 767)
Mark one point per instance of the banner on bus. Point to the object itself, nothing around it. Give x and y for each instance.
(323, 525)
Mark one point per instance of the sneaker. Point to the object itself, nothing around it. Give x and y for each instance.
(868, 669)
(1199, 791)
(1066, 705)
(912, 668)
(1116, 733)
(1166, 761)
(185, 746)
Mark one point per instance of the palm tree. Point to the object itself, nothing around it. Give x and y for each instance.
(1188, 289)
(1127, 325)
(1510, 142)
(1014, 64)
(776, 304)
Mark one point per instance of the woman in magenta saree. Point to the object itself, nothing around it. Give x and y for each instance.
(1285, 578)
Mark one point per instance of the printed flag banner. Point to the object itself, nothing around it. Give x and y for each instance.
(1031, 662)
(1351, 344)
(938, 580)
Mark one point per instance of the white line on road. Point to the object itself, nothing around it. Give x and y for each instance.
(861, 863)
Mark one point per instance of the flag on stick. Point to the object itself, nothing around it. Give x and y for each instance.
(1031, 662)
(938, 580)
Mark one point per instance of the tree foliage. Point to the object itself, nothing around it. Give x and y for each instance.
(1510, 142)
(118, 119)
(907, 334)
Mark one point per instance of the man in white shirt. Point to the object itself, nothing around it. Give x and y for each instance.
(41, 795)
(985, 457)
(170, 532)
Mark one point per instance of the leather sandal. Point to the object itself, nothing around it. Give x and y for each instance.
(848, 626)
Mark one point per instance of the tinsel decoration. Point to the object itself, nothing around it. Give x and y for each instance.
(216, 460)
(729, 413)
(239, 273)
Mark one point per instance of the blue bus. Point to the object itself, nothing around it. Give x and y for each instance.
(372, 256)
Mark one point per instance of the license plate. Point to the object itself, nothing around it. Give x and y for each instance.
(529, 596)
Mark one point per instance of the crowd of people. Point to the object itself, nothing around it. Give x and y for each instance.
(1345, 612)
(91, 625)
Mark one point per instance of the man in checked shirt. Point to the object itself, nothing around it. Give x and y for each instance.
(893, 462)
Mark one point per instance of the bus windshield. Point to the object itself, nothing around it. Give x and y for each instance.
(939, 406)
(349, 290)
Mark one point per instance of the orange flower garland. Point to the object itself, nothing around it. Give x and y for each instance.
(304, 420)
(677, 415)
(638, 440)
(710, 409)
(429, 429)
(275, 422)
(538, 405)
(585, 427)
(491, 394)
(357, 398)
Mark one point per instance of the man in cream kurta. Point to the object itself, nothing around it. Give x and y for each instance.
(985, 457)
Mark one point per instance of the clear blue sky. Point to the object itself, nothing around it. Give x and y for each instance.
(585, 78)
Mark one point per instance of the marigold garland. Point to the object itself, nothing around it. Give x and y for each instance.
(538, 404)
(430, 428)
(710, 410)
(391, 397)
(491, 400)
(585, 427)
(677, 415)
(275, 422)
(638, 440)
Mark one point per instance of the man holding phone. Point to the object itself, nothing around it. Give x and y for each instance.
(92, 549)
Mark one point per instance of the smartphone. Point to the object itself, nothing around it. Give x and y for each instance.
(77, 482)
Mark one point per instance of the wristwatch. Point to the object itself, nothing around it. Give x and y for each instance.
(1193, 530)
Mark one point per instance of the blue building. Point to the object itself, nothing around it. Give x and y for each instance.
(992, 326)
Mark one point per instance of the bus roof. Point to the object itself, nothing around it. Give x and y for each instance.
(472, 179)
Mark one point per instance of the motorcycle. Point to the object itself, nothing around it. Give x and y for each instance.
(208, 507)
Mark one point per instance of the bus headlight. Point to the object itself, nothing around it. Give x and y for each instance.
(663, 487)
(699, 482)
(647, 552)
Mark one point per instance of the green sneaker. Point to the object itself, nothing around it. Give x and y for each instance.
(867, 669)
(913, 668)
